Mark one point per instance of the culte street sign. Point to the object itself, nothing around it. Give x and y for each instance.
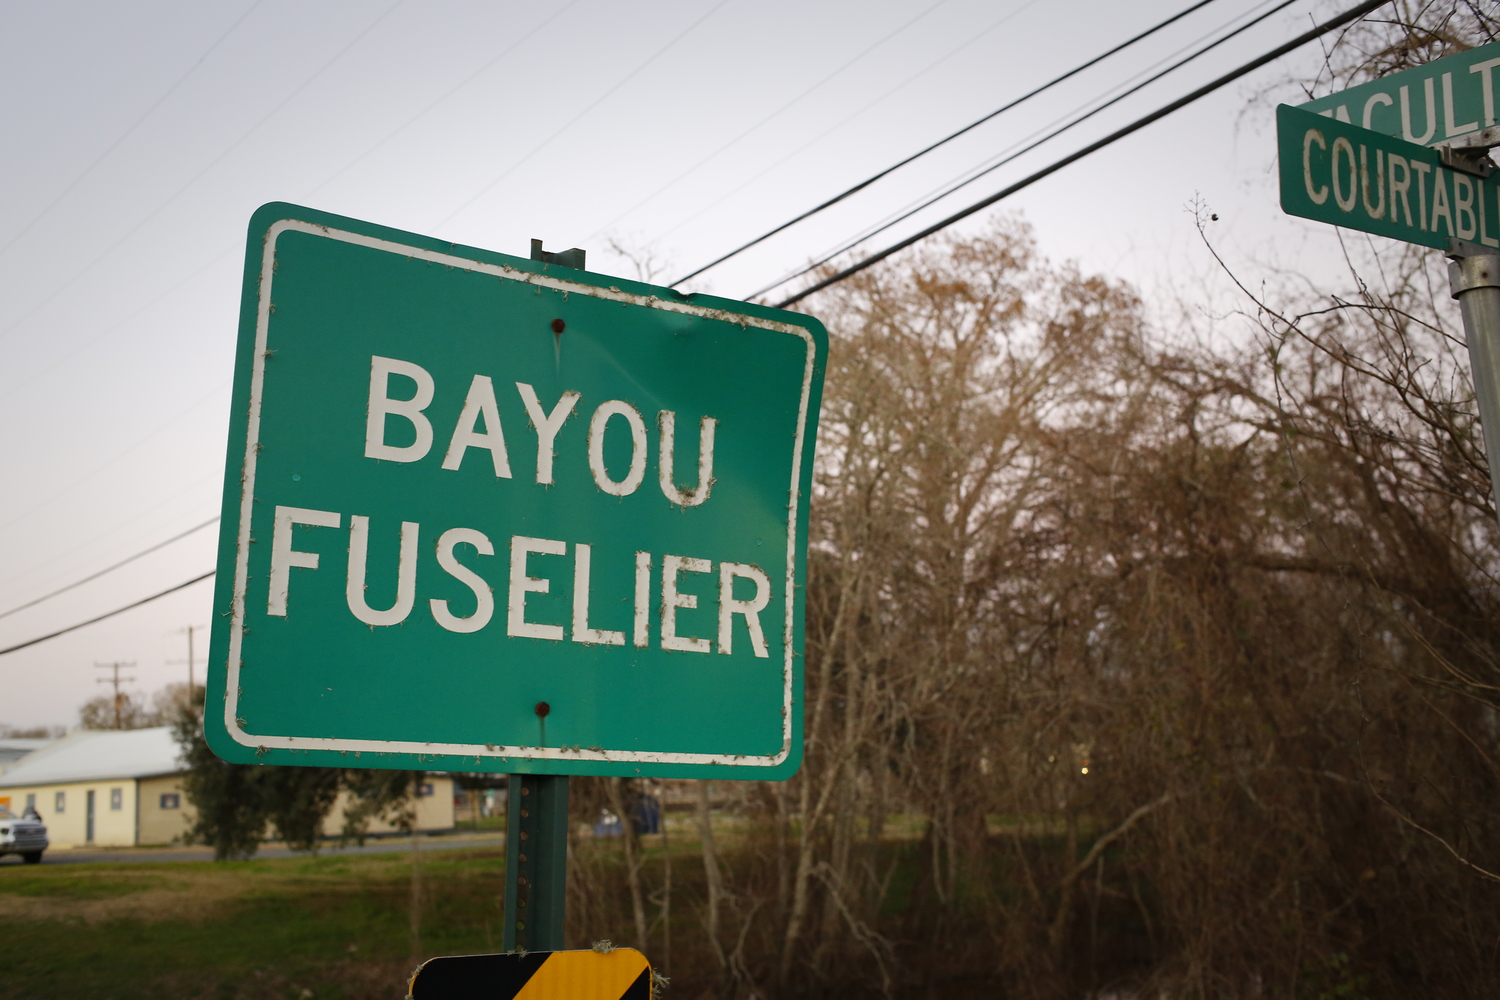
(1434, 103)
(483, 513)
(1360, 179)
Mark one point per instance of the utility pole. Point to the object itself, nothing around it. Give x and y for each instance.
(116, 680)
(189, 631)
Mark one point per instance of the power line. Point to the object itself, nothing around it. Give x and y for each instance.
(789, 104)
(129, 131)
(1010, 154)
(1351, 15)
(110, 569)
(110, 614)
(446, 94)
(324, 183)
(574, 120)
(943, 141)
(181, 190)
(118, 456)
(54, 559)
(973, 39)
(108, 331)
(1013, 151)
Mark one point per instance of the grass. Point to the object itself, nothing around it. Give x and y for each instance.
(339, 927)
(330, 927)
(300, 928)
(39, 883)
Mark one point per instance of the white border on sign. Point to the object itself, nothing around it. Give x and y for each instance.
(247, 500)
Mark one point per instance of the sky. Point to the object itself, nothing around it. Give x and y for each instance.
(140, 137)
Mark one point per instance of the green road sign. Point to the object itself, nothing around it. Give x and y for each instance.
(1436, 102)
(1351, 177)
(487, 514)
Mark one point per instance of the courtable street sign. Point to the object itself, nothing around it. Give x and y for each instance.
(1360, 179)
(1436, 102)
(487, 514)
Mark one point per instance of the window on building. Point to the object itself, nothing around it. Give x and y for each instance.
(425, 790)
(60, 802)
(117, 798)
(171, 800)
(31, 800)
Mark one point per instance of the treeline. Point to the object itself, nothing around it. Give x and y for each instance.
(1176, 665)
(1140, 662)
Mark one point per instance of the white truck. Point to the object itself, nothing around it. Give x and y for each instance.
(19, 835)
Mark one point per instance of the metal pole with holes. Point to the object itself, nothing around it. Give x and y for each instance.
(1474, 277)
(536, 862)
(536, 828)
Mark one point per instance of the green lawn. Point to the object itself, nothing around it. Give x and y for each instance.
(318, 927)
(340, 927)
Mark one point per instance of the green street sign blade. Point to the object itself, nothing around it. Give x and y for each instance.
(483, 513)
(1358, 179)
(1434, 103)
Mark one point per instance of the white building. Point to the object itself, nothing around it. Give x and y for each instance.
(122, 788)
(13, 748)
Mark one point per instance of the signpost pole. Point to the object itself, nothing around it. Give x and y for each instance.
(536, 827)
(536, 862)
(1474, 277)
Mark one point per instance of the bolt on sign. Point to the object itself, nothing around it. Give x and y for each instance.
(1436, 102)
(606, 974)
(1361, 179)
(462, 485)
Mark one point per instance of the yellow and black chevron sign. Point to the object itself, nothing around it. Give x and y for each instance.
(616, 974)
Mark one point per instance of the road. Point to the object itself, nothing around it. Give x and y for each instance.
(142, 855)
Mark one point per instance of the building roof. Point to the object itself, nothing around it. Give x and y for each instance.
(13, 748)
(98, 755)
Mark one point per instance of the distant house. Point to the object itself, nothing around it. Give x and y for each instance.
(122, 788)
(13, 748)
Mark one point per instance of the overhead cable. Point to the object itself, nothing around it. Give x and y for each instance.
(971, 40)
(117, 457)
(782, 110)
(128, 132)
(237, 245)
(576, 118)
(110, 614)
(1350, 15)
(1010, 154)
(943, 141)
(110, 569)
(182, 189)
(558, 12)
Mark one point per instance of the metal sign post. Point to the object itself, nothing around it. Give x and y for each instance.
(536, 824)
(536, 862)
(1474, 277)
